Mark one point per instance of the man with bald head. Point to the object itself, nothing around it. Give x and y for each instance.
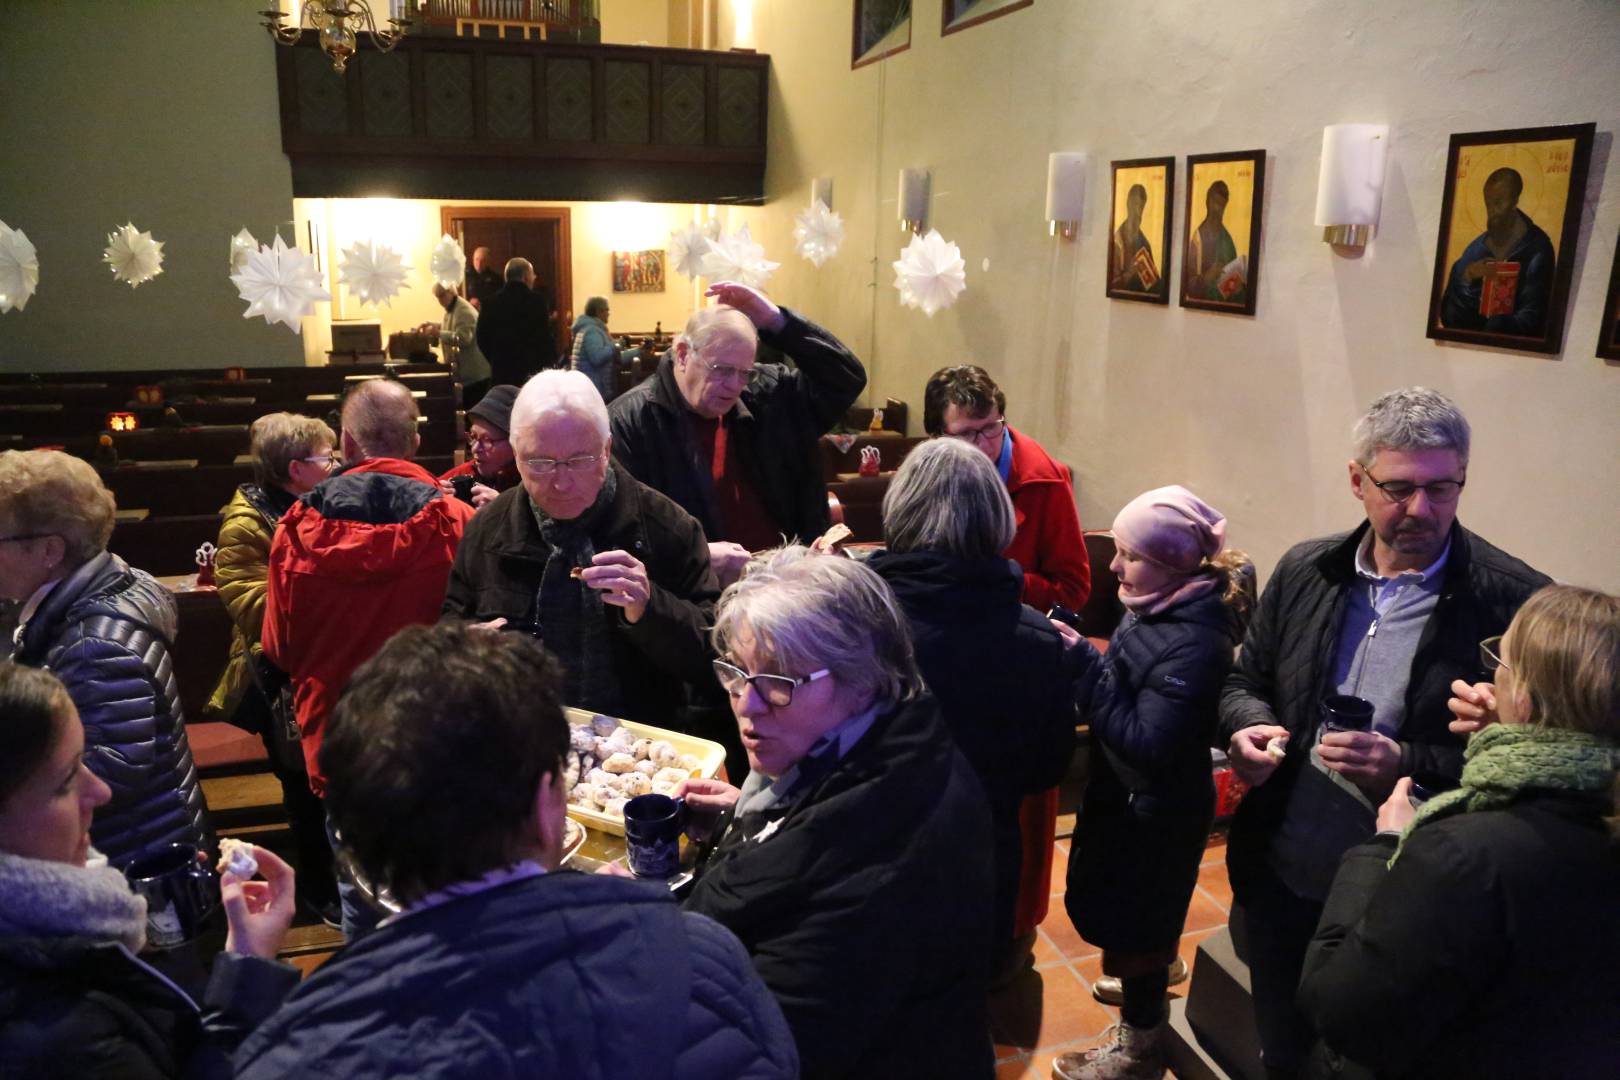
(364, 554)
(1501, 281)
(483, 280)
(515, 331)
(733, 441)
(610, 575)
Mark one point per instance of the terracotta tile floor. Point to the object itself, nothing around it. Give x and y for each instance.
(1049, 1010)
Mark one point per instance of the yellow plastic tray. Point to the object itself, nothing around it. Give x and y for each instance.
(711, 756)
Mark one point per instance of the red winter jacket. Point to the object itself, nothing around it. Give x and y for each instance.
(1048, 544)
(364, 555)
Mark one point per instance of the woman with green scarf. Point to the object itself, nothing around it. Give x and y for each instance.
(1477, 936)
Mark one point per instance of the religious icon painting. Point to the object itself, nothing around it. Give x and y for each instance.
(1508, 223)
(1220, 249)
(638, 271)
(1139, 230)
(1609, 331)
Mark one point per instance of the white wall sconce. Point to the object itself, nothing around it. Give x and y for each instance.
(821, 191)
(913, 200)
(1350, 188)
(1065, 194)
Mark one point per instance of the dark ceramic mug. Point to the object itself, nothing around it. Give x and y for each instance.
(1426, 785)
(652, 835)
(181, 893)
(1345, 712)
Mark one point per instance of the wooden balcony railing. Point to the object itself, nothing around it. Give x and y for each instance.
(474, 118)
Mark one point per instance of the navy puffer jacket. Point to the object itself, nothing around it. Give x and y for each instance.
(564, 975)
(106, 631)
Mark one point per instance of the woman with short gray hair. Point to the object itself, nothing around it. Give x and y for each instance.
(845, 864)
(994, 664)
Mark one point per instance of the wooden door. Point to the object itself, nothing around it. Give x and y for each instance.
(538, 233)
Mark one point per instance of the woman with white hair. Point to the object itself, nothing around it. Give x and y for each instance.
(845, 862)
(105, 630)
(994, 663)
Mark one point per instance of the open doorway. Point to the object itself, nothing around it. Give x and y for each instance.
(537, 233)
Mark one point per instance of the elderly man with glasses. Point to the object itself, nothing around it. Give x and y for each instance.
(733, 441)
(1391, 612)
(491, 467)
(610, 575)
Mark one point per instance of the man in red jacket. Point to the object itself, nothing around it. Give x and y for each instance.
(963, 402)
(360, 557)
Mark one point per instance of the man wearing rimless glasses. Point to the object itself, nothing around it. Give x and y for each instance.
(1391, 612)
(734, 441)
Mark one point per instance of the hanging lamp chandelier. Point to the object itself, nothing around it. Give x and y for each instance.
(336, 24)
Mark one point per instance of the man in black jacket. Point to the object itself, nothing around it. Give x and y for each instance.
(735, 442)
(514, 329)
(1391, 612)
(609, 574)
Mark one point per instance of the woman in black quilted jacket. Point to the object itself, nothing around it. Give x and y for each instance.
(106, 631)
(1151, 702)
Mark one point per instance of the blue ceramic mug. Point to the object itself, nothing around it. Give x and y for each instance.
(652, 835)
(1345, 712)
(181, 893)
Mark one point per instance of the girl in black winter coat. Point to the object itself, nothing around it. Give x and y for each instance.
(1151, 702)
(75, 998)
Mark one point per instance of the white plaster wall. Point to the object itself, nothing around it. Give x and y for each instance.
(161, 114)
(1254, 413)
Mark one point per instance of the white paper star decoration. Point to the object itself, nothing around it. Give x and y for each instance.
(688, 246)
(374, 273)
(737, 258)
(134, 256)
(19, 269)
(817, 233)
(280, 283)
(449, 262)
(930, 273)
(242, 245)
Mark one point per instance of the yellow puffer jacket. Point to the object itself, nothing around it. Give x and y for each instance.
(241, 571)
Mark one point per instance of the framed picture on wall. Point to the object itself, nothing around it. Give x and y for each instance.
(1139, 230)
(1609, 328)
(1508, 221)
(1220, 247)
(638, 271)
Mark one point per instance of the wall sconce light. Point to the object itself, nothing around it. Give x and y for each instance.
(122, 421)
(1351, 185)
(1065, 193)
(821, 191)
(913, 200)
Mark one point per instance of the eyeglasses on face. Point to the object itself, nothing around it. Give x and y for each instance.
(985, 436)
(1490, 654)
(775, 690)
(748, 376)
(545, 466)
(476, 441)
(325, 461)
(1438, 492)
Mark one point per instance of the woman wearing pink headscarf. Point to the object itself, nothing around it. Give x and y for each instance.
(1151, 702)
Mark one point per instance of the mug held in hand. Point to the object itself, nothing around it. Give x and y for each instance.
(652, 834)
(181, 893)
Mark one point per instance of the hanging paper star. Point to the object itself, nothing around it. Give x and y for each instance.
(19, 269)
(449, 263)
(737, 258)
(930, 274)
(242, 245)
(818, 232)
(687, 246)
(133, 255)
(374, 272)
(281, 284)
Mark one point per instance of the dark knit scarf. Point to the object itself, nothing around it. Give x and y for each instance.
(575, 623)
(1506, 761)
